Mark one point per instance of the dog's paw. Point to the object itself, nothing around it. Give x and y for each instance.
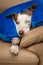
(15, 40)
(14, 49)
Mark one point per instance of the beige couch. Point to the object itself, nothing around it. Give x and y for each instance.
(33, 55)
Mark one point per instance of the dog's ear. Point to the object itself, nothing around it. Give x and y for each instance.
(28, 12)
(13, 16)
(32, 7)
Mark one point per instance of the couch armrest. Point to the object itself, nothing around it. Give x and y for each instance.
(32, 37)
(37, 49)
(24, 57)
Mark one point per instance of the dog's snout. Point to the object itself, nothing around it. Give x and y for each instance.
(21, 32)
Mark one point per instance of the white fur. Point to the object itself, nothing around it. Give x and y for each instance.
(21, 18)
(14, 49)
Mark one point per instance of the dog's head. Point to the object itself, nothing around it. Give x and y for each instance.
(23, 23)
(23, 20)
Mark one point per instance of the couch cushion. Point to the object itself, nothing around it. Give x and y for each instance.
(23, 57)
(38, 49)
(32, 37)
(9, 3)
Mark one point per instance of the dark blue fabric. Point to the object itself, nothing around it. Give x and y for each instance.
(7, 27)
(37, 17)
(39, 2)
(17, 8)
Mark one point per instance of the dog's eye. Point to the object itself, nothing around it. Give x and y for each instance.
(17, 22)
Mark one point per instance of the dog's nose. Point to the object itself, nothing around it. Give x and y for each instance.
(21, 32)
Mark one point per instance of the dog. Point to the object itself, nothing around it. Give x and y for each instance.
(23, 23)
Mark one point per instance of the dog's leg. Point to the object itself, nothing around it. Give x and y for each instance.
(14, 48)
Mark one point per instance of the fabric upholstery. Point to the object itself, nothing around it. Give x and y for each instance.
(38, 49)
(32, 37)
(9, 3)
(24, 56)
(5, 55)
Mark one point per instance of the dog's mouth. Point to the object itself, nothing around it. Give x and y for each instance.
(21, 35)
